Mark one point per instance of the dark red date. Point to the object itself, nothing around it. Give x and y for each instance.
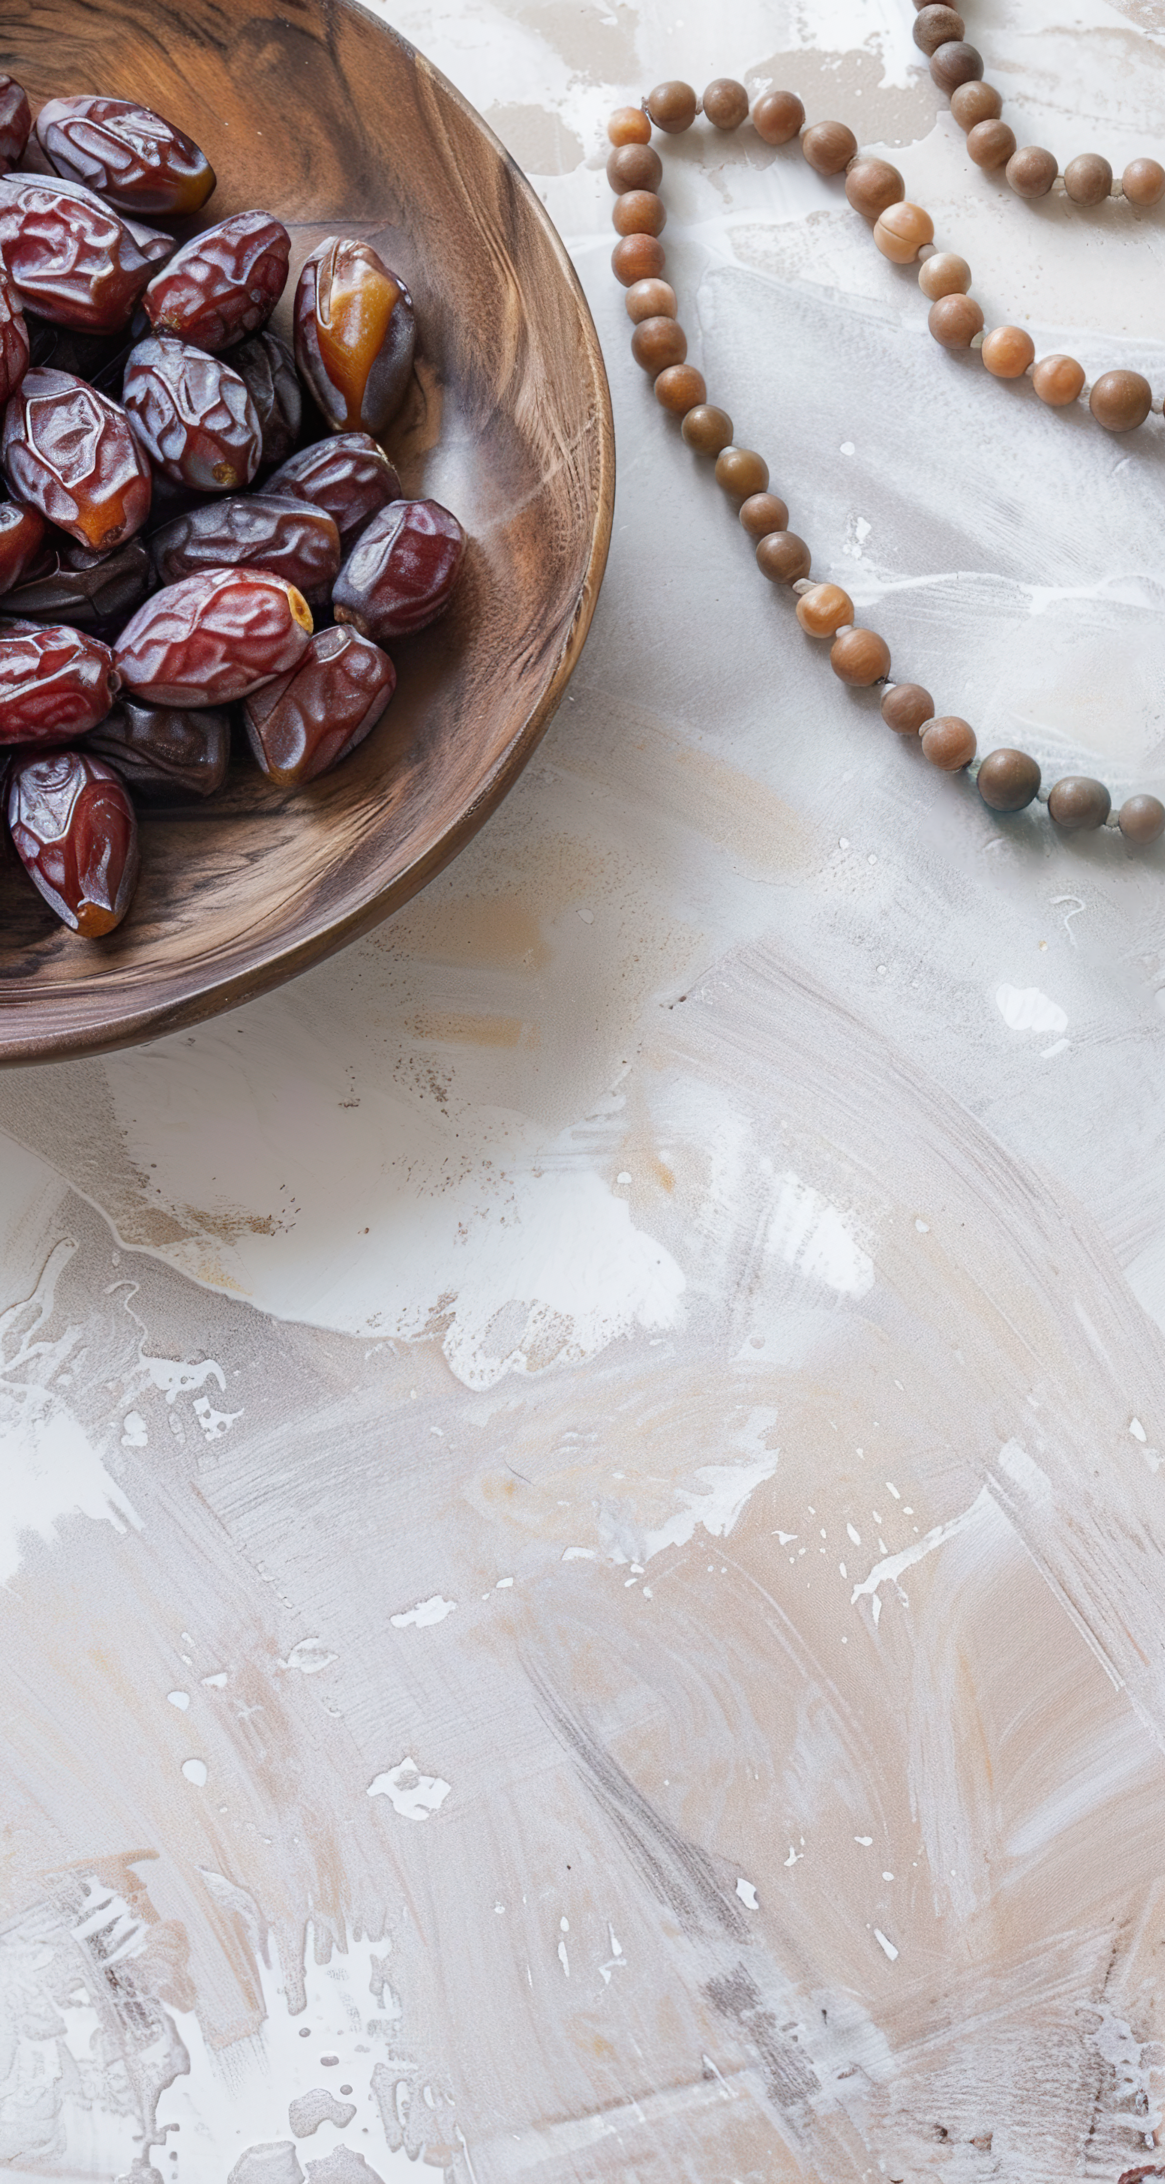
(192, 415)
(223, 284)
(15, 121)
(267, 369)
(76, 836)
(69, 452)
(14, 343)
(253, 530)
(87, 590)
(349, 476)
(55, 683)
(306, 722)
(355, 331)
(22, 535)
(165, 750)
(213, 638)
(72, 259)
(402, 571)
(138, 161)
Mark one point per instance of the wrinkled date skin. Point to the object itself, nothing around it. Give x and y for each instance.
(349, 476)
(22, 535)
(14, 343)
(304, 724)
(223, 284)
(192, 415)
(15, 121)
(87, 590)
(355, 331)
(267, 369)
(55, 683)
(140, 162)
(76, 835)
(165, 750)
(72, 259)
(253, 530)
(69, 452)
(213, 638)
(402, 571)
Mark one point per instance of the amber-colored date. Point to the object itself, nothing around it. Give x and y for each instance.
(222, 284)
(55, 683)
(267, 369)
(76, 836)
(355, 331)
(14, 343)
(165, 750)
(306, 722)
(349, 476)
(15, 121)
(22, 535)
(71, 258)
(138, 161)
(192, 415)
(87, 590)
(402, 571)
(253, 530)
(213, 638)
(69, 452)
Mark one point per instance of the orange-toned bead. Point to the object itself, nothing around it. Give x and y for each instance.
(783, 557)
(1058, 380)
(1088, 179)
(672, 107)
(954, 321)
(1120, 401)
(726, 103)
(860, 657)
(1143, 183)
(740, 471)
(639, 212)
(634, 167)
(680, 388)
(658, 342)
(778, 116)
(1008, 780)
(762, 513)
(991, 144)
(650, 299)
(637, 258)
(629, 125)
(828, 146)
(946, 274)
(707, 429)
(948, 743)
(871, 185)
(1007, 352)
(901, 231)
(974, 102)
(907, 707)
(1032, 171)
(823, 609)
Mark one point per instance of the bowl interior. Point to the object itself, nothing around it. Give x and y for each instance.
(326, 118)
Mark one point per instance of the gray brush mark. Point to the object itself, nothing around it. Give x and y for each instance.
(345, 2166)
(272, 2164)
(790, 2078)
(306, 2114)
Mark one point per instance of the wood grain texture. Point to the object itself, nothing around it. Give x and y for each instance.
(323, 116)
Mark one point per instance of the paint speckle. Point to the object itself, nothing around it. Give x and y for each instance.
(885, 1945)
(746, 1891)
(180, 1699)
(414, 1795)
(195, 1770)
(425, 1612)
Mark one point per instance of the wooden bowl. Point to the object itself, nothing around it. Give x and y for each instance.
(317, 112)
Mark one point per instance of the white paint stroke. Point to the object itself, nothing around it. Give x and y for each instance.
(809, 1233)
(309, 1656)
(414, 1795)
(746, 1890)
(1025, 1008)
(890, 1569)
(425, 1612)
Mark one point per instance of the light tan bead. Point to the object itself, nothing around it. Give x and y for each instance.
(762, 513)
(828, 146)
(1088, 179)
(672, 107)
(1031, 171)
(948, 743)
(1120, 401)
(680, 388)
(783, 557)
(991, 144)
(955, 64)
(901, 231)
(637, 258)
(1007, 352)
(907, 707)
(823, 609)
(778, 116)
(658, 342)
(741, 472)
(946, 274)
(954, 321)
(650, 299)
(639, 212)
(1143, 182)
(629, 125)
(725, 103)
(1058, 380)
(860, 657)
(634, 167)
(707, 429)
(871, 185)
(974, 102)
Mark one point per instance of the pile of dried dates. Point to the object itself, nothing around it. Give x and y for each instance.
(197, 519)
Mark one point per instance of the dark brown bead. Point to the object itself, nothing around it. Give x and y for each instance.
(871, 185)
(639, 212)
(680, 388)
(634, 167)
(762, 513)
(1078, 804)
(672, 107)
(741, 472)
(638, 258)
(1088, 179)
(828, 146)
(1008, 780)
(935, 26)
(726, 103)
(906, 707)
(658, 342)
(991, 144)
(1031, 171)
(954, 64)
(974, 102)
(707, 429)
(629, 125)
(1120, 400)
(955, 320)
(859, 657)
(1141, 820)
(783, 557)
(948, 743)
(778, 116)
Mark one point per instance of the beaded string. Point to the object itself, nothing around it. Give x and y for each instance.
(1007, 779)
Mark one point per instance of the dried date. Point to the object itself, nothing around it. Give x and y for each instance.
(87, 590)
(355, 331)
(22, 535)
(76, 835)
(69, 452)
(213, 638)
(138, 161)
(165, 750)
(306, 722)
(223, 284)
(402, 571)
(253, 530)
(15, 121)
(71, 258)
(14, 342)
(349, 476)
(267, 369)
(192, 415)
(55, 683)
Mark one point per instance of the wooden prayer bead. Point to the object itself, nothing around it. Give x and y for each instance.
(901, 231)
(672, 107)
(762, 513)
(1143, 183)
(741, 472)
(860, 657)
(1088, 179)
(726, 103)
(829, 146)
(871, 185)
(991, 144)
(1031, 171)
(954, 64)
(1007, 352)
(935, 26)
(639, 212)
(1008, 780)
(1078, 804)
(629, 125)
(783, 557)
(680, 388)
(650, 299)
(955, 320)
(946, 274)
(707, 429)
(1141, 819)
(658, 342)
(778, 117)
(948, 743)
(1058, 380)
(1120, 401)
(974, 102)
(907, 707)
(637, 258)
(822, 610)
(634, 167)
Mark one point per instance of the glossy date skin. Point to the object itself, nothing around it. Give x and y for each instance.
(87, 590)
(165, 750)
(68, 451)
(192, 416)
(302, 725)
(254, 530)
(55, 683)
(267, 369)
(71, 258)
(402, 571)
(223, 284)
(137, 160)
(75, 833)
(349, 476)
(213, 638)
(22, 536)
(14, 342)
(15, 121)
(355, 332)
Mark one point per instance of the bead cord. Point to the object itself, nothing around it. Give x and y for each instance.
(1007, 780)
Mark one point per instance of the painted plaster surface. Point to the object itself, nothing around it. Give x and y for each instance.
(582, 1540)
